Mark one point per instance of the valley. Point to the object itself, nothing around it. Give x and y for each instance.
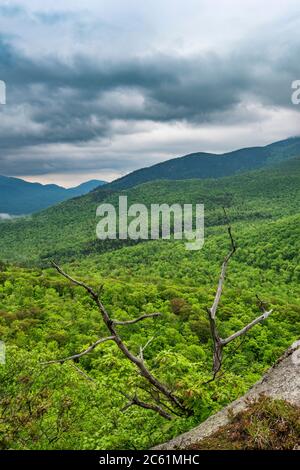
(44, 317)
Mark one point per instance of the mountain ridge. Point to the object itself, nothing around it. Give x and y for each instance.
(20, 197)
(204, 165)
(68, 229)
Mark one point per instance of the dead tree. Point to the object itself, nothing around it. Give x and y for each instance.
(164, 401)
(163, 394)
(218, 342)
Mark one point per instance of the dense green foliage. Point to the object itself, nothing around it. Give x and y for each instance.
(68, 230)
(44, 317)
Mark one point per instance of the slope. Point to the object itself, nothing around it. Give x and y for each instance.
(19, 197)
(208, 165)
(44, 317)
(68, 229)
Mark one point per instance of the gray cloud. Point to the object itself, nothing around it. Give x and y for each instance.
(73, 111)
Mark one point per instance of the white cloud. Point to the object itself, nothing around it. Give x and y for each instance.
(248, 49)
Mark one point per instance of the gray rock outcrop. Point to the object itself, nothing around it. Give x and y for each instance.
(281, 381)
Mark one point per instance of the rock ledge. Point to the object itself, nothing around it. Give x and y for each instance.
(281, 381)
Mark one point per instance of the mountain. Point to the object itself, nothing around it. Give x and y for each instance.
(209, 165)
(85, 188)
(18, 197)
(67, 231)
(44, 317)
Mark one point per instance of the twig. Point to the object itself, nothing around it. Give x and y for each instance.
(77, 356)
(219, 342)
(135, 320)
(136, 401)
(246, 328)
(111, 326)
(142, 348)
(84, 374)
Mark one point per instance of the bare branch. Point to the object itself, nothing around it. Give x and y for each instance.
(100, 290)
(158, 409)
(111, 326)
(74, 281)
(217, 298)
(246, 328)
(135, 320)
(77, 356)
(128, 405)
(84, 374)
(155, 395)
(219, 342)
(261, 304)
(142, 348)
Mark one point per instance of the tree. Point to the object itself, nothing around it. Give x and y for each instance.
(163, 400)
(218, 342)
(157, 387)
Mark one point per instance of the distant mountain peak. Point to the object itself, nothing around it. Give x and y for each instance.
(208, 165)
(19, 197)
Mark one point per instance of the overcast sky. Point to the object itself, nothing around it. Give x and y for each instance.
(96, 89)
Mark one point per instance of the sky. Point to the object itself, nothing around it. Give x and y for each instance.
(99, 88)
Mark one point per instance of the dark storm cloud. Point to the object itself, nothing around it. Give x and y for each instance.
(172, 87)
(39, 164)
(52, 100)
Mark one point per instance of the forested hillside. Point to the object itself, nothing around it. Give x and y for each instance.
(43, 317)
(208, 165)
(68, 230)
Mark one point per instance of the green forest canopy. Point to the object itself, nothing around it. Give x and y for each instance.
(43, 317)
